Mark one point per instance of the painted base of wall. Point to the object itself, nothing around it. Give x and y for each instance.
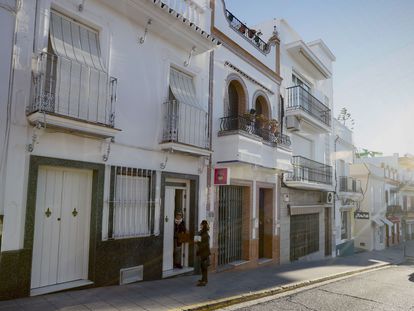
(345, 249)
(15, 269)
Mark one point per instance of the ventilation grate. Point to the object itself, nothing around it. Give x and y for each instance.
(131, 275)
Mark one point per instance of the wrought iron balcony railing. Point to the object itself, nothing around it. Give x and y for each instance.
(248, 33)
(185, 124)
(349, 184)
(67, 88)
(299, 98)
(306, 170)
(250, 126)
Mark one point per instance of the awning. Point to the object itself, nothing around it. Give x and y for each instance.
(182, 87)
(394, 219)
(377, 221)
(387, 222)
(75, 41)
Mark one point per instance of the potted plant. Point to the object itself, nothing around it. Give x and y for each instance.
(231, 16)
(242, 28)
(261, 121)
(251, 33)
(273, 126)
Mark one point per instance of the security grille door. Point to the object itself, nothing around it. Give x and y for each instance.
(304, 235)
(230, 224)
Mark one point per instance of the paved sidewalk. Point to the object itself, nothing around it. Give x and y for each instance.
(181, 292)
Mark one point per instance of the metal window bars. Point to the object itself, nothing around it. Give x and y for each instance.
(65, 87)
(307, 170)
(349, 184)
(299, 98)
(132, 202)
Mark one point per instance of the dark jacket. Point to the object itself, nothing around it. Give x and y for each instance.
(177, 230)
(204, 246)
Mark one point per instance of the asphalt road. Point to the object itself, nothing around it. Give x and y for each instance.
(386, 289)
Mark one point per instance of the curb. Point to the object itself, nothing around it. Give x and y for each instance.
(232, 300)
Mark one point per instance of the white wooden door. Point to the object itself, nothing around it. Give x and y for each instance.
(62, 221)
(168, 253)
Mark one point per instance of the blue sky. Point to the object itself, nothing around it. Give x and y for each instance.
(373, 41)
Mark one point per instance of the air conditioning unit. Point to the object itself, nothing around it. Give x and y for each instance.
(329, 197)
(292, 123)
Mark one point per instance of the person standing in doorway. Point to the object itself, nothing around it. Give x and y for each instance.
(203, 251)
(179, 231)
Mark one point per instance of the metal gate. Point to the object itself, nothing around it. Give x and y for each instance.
(304, 235)
(230, 224)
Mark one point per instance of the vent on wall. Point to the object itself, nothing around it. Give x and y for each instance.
(131, 275)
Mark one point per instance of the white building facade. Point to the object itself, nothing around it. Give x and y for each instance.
(251, 149)
(108, 138)
(306, 209)
(348, 190)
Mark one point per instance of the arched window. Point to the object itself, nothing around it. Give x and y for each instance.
(236, 99)
(261, 106)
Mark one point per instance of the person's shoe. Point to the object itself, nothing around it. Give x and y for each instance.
(202, 283)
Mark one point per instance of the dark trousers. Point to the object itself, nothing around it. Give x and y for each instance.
(204, 263)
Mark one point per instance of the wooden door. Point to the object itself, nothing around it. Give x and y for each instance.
(62, 223)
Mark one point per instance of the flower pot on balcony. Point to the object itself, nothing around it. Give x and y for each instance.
(251, 33)
(231, 16)
(242, 28)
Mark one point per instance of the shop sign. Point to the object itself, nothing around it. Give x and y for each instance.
(221, 176)
(361, 215)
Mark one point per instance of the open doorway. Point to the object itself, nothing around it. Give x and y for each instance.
(176, 228)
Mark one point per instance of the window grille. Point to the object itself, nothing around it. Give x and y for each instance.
(132, 202)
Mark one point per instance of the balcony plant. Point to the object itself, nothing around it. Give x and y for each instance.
(273, 126)
(231, 16)
(251, 33)
(242, 28)
(261, 121)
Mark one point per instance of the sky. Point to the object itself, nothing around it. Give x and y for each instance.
(373, 41)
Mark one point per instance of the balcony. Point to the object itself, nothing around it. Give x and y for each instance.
(185, 129)
(250, 127)
(248, 33)
(309, 174)
(241, 139)
(394, 210)
(308, 109)
(72, 97)
(350, 188)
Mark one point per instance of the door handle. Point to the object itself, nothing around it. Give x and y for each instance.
(166, 218)
(74, 212)
(48, 212)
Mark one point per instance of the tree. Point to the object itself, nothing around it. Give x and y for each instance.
(345, 116)
(365, 153)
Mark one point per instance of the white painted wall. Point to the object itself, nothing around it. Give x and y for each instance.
(7, 26)
(142, 72)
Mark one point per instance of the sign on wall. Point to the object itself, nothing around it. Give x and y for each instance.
(361, 215)
(222, 176)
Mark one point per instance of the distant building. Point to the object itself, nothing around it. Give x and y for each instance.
(348, 190)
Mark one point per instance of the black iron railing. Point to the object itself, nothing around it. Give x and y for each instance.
(307, 170)
(250, 34)
(299, 98)
(65, 87)
(248, 125)
(394, 209)
(349, 184)
(185, 124)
